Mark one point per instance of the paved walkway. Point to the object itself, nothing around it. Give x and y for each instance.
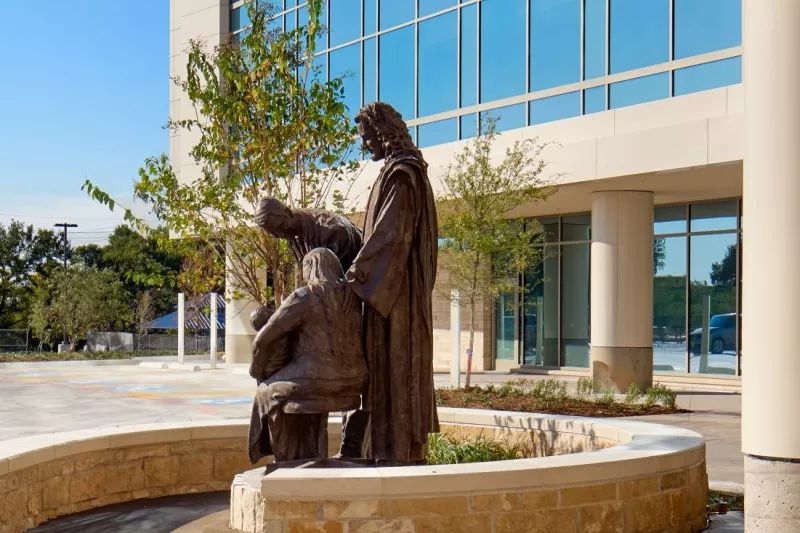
(49, 398)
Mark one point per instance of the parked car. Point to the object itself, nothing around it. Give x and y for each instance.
(721, 334)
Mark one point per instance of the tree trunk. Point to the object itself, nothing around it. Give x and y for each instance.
(471, 341)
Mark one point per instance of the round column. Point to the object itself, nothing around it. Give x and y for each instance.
(771, 290)
(239, 334)
(622, 289)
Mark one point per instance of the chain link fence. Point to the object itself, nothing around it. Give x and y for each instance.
(101, 341)
(14, 340)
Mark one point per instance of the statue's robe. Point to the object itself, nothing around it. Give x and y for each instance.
(308, 362)
(324, 229)
(394, 274)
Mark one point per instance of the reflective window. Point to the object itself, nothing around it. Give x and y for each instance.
(503, 46)
(707, 76)
(714, 216)
(594, 46)
(469, 126)
(396, 85)
(370, 87)
(594, 100)
(395, 12)
(706, 25)
(346, 63)
(290, 21)
(555, 108)
(439, 132)
(508, 118)
(575, 305)
(540, 310)
(370, 16)
(576, 228)
(639, 33)
(670, 219)
(639, 90)
(669, 304)
(427, 7)
(555, 56)
(712, 304)
(469, 55)
(438, 85)
(345, 22)
(290, 4)
(239, 18)
(506, 327)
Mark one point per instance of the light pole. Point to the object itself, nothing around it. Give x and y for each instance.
(64, 226)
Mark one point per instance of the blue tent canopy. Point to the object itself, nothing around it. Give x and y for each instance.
(197, 319)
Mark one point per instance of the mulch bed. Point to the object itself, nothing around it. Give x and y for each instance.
(529, 404)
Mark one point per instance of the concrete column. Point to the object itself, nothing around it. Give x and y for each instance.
(239, 334)
(770, 366)
(622, 289)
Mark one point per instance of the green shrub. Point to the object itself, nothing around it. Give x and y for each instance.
(607, 399)
(549, 390)
(450, 450)
(634, 393)
(660, 394)
(587, 387)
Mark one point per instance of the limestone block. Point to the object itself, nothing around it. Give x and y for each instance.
(550, 521)
(181, 448)
(695, 498)
(55, 492)
(644, 515)
(111, 499)
(160, 471)
(18, 479)
(196, 468)
(56, 468)
(85, 461)
(495, 503)
(14, 506)
(403, 525)
(35, 499)
(675, 480)
(87, 485)
(45, 516)
(299, 526)
(472, 523)
(540, 499)
(588, 494)
(220, 445)
(290, 509)
(676, 506)
(697, 473)
(603, 518)
(337, 510)
(227, 465)
(140, 452)
(639, 487)
(452, 506)
(124, 477)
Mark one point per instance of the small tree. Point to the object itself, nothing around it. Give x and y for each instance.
(267, 123)
(79, 300)
(143, 311)
(482, 249)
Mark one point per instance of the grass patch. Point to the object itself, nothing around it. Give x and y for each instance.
(735, 502)
(453, 450)
(551, 396)
(37, 357)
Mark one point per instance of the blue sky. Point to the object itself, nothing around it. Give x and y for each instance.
(84, 92)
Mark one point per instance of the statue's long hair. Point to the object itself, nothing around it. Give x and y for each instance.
(391, 129)
(322, 267)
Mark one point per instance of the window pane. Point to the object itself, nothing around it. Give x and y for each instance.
(370, 16)
(469, 55)
(671, 219)
(639, 33)
(290, 4)
(413, 132)
(594, 39)
(706, 25)
(576, 228)
(639, 90)
(290, 21)
(319, 69)
(469, 126)
(594, 100)
(669, 304)
(555, 108)
(397, 70)
(708, 76)
(555, 43)
(438, 85)
(322, 34)
(714, 216)
(394, 12)
(239, 18)
(712, 304)
(346, 63)
(505, 327)
(508, 118)
(369, 89)
(440, 132)
(549, 228)
(575, 305)
(540, 320)
(503, 46)
(345, 23)
(426, 7)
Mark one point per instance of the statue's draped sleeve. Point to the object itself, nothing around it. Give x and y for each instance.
(269, 347)
(383, 259)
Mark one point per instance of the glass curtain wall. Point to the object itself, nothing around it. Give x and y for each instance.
(551, 313)
(697, 288)
(435, 57)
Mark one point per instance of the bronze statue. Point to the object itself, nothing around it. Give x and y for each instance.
(308, 361)
(306, 229)
(394, 274)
